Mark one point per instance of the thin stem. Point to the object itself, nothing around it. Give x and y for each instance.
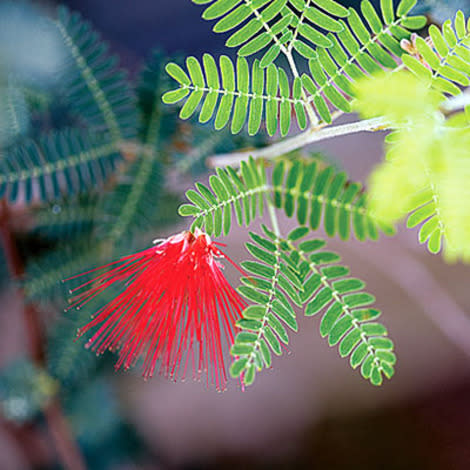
(237, 93)
(273, 216)
(67, 450)
(266, 26)
(321, 131)
(310, 111)
(456, 103)
(66, 447)
(296, 31)
(300, 140)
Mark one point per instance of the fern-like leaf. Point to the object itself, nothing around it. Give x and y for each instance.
(427, 162)
(212, 207)
(348, 320)
(14, 115)
(446, 64)
(267, 24)
(272, 286)
(425, 212)
(350, 51)
(358, 50)
(439, 208)
(157, 122)
(313, 193)
(303, 189)
(97, 90)
(133, 203)
(240, 96)
(61, 163)
(295, 271)
(312, 18)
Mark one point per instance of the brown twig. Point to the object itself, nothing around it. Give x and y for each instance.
(67, 450)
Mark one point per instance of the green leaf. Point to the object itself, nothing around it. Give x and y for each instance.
(351, 340)
(272, 340)
(255, 312)
(272, 306)
(329, 195)
(261, 254)
(174, 96)
(240, 350)
(320, 300)
(233, 100)
(238, 366)
(90, 78)
(446, 67)
(339, 330)
(259, 24)
(387, 11)
(330, 318)
(85, 160)
(246, 337)
(176, 72)
(276, 325)
(251, 325)
(405, 7)
(343, 323)
(228, 190)
(298, 233)
(350, 52)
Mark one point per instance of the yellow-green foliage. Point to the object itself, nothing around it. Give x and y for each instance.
(454, 190)
(400, 96)
(427, 170)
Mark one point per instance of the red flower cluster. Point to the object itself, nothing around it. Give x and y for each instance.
(175, 306)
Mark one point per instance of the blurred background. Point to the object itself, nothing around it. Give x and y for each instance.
(311, 411)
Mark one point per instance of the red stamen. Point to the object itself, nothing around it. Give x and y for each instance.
(175, 306)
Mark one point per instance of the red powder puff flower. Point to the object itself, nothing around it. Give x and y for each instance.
(174, 304)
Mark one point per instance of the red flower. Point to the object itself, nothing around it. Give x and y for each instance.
(174, 304)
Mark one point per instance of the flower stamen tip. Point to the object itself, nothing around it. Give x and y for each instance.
(174, 301)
